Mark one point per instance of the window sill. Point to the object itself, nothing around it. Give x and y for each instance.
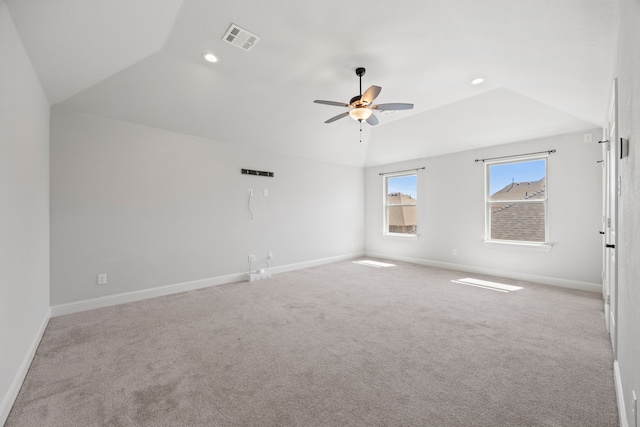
(537, 247)
(402, 235)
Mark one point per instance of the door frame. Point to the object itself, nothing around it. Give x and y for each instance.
(611, 189)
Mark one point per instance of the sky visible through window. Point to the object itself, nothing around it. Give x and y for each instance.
(502, 174)
(403, 184)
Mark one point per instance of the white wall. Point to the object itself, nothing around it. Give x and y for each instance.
(153, 208)
(24, 212)
(451, 214)
(628, 249)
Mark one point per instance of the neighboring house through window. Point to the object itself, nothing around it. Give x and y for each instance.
(400, 204)
(516, 201)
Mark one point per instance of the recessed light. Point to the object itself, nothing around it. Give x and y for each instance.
(477, 81)
(209, 57)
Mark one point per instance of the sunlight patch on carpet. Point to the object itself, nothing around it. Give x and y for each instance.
(376, 264)
(485, 284)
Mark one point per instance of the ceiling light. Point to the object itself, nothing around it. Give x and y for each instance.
(209, 57)
(360, 113)
(477, 81)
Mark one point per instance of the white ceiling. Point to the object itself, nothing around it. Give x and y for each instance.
(548, 66)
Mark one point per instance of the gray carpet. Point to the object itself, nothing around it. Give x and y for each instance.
(337, 345)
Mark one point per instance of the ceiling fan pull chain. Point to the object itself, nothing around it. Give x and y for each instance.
(360, 130)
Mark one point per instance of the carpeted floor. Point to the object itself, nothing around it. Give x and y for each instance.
(336, 345)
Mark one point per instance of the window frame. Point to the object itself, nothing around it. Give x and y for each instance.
(386, 205)
(488, 203)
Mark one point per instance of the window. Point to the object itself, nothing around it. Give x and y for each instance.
(400, 204)
(516, 201)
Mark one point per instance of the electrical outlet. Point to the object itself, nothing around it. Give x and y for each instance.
(454, 252)
(250, 191)
(102, 279)
(252, 258)
(270, 255)
(265, 193)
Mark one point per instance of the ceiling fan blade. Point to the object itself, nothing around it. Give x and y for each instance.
(392, 106)
(338, 117)
(370, 94)
(337, 104)
(372, 120)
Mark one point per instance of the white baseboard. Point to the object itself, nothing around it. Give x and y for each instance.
(12, 393)
(315, 262)
(123, 298)
(622, 414)
(126, 297)
(553, 281)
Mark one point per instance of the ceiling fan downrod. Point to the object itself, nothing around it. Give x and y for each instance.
(360, 72)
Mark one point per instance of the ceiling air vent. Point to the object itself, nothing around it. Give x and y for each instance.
(240, 38)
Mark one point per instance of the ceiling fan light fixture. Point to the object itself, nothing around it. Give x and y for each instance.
(360, 113)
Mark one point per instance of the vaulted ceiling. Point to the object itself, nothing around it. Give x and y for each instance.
(547, 65)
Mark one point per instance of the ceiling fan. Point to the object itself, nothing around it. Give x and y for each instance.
(361, 108)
